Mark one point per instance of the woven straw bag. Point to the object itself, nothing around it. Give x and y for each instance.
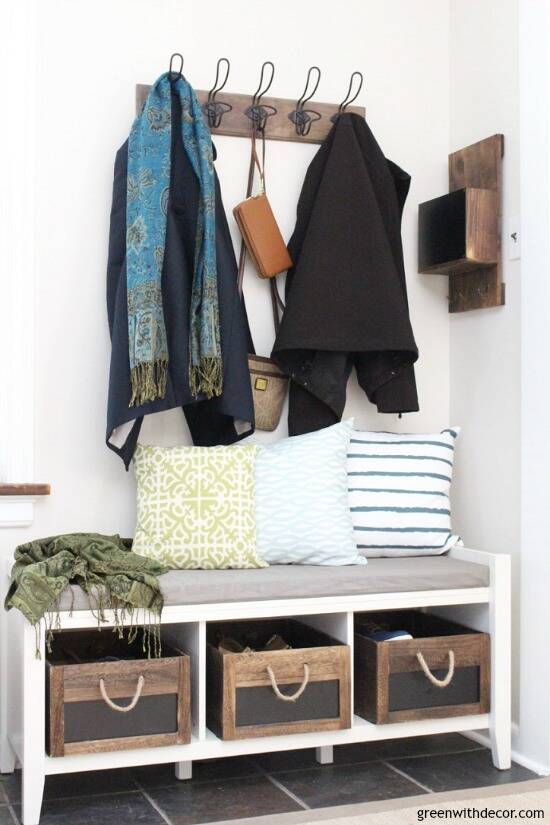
(269, 388)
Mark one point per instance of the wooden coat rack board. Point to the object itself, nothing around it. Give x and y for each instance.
(236, 123)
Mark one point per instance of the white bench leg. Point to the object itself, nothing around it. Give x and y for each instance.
(500, 716)
(184, 770)
(7, 756)
(34, 724)
(324, 755)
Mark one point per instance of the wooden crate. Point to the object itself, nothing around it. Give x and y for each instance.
(390, 682)
(87, 670)
(242, 698)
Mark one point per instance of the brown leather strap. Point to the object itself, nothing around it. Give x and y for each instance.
(255, 158)
(242, 254)
(276, 301)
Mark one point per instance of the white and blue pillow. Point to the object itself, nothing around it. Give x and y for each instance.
(302, 508)
(399, 487)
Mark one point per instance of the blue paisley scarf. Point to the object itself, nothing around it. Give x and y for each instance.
(148, 194)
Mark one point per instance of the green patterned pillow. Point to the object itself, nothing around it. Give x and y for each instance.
(195, 506)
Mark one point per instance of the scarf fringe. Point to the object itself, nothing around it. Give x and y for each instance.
(150, 625)
(207, 377)
(148, 382)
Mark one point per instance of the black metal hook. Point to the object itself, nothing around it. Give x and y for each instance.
(259, 93)
(301, 117)
(171, 71)
(214, 109)
(257, 113)
(347, 100)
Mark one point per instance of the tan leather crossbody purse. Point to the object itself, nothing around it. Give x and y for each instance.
(259, 228)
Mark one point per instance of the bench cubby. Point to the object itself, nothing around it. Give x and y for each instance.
(442, 671)
(104, 693)
(260, 692)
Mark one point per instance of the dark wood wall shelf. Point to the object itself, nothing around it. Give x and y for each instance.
(459, 234)
(25, 489)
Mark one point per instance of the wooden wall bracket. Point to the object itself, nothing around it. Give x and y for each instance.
(460, 234)
(235, 123)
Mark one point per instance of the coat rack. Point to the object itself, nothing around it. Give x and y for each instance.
(282, 118)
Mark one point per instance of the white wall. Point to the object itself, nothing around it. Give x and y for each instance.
(534, 717)
(89, 58)
(18, 36)
(485, 344)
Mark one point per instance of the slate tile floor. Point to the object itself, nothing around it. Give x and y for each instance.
(264, 784)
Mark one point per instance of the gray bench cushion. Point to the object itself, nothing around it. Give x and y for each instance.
(302, 581)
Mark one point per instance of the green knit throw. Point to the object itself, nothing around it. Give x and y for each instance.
(113, 577)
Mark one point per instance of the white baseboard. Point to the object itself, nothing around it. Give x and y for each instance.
(482, 736)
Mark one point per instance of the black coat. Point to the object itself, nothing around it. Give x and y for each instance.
(346, 296)
(211, 421)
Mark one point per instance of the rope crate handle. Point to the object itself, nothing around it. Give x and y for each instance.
(292, 697)
(440, 683)
(122, 708)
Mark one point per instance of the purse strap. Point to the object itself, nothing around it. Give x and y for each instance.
(277, 304)
(254, 157)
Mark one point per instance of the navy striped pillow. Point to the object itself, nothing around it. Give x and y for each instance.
(399, 488)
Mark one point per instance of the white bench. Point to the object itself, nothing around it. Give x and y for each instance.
(469, 586)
